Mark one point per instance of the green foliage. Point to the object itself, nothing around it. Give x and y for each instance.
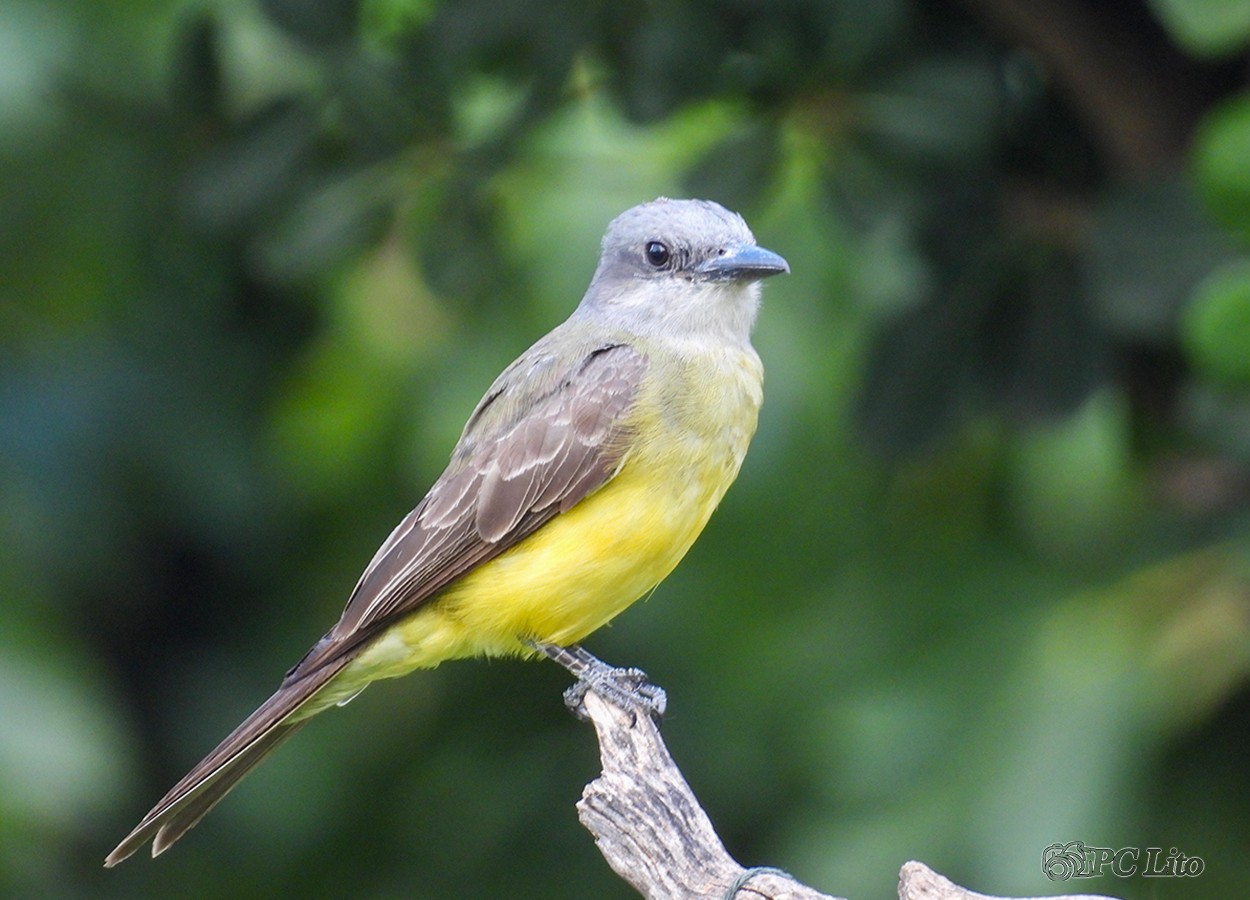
(1206, 27)
(981, 587)
(1217, 326)
(1220, 162)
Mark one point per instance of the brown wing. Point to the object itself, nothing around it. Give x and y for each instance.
(540, 441)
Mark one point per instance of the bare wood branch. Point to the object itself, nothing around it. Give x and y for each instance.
(652, 831)
(648, 824)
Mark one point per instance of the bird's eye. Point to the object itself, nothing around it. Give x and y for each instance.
(657, 253)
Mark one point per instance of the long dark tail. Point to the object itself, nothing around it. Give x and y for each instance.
(202, 788)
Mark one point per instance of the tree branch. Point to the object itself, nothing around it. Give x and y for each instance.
(652, 831)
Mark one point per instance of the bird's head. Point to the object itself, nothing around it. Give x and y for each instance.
(680, 267)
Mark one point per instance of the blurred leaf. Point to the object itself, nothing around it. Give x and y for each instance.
(1068, 482)
(196, 69)
(1221, 149)
(461, 255)
(248, 175)
(385, 107)
(1012, 331)
(1216, 325)
(383, 23)
(1043, 353)
(1197, 606)
(504, 37)
(422, 75)
(1218, 416)
(740, 170)
(667, 59)
(938, 110)
(1206, 27)
(916, 378)
(60, 751)
(1150, 245)
(329, 417)
(332, 220)
(486, 109)
(318, 24)
(871, 193)
(850, 35)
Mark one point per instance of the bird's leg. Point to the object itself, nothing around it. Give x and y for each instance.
(626, 688)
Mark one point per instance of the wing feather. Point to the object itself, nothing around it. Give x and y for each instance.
(534, 448)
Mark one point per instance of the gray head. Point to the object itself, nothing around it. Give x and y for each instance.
(680, 267)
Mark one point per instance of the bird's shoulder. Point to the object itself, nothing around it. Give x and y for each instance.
(576, 365)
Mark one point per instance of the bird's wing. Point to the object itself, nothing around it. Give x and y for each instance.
(534, 447)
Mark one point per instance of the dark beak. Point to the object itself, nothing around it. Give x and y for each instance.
(742, 262)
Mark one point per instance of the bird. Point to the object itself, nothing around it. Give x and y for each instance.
(580, 480)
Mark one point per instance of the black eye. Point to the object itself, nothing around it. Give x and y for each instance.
(657, 253)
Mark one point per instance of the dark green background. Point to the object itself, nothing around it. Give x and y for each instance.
(982, 586)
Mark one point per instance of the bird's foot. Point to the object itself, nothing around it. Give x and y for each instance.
(627, 688)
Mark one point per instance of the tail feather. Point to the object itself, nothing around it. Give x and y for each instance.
(203, 787)
(187, 817)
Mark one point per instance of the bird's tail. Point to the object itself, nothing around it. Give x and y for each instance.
(202, 788)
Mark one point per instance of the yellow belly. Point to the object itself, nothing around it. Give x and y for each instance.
(588, 564)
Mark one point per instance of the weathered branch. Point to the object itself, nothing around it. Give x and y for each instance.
(648, 824)
(652, 831)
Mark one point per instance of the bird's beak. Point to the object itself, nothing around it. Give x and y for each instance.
(743, 262)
